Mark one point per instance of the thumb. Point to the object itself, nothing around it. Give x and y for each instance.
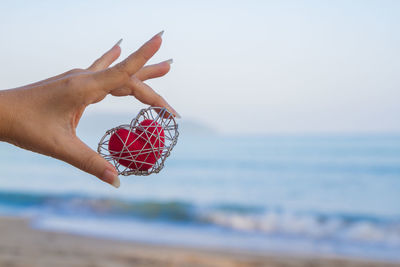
(84, 158)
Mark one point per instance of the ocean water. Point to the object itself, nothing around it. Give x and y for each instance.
(309, 194)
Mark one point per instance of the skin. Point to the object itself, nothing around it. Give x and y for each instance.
(42, 117)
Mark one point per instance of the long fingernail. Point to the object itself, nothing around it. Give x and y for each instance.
(118, 43)
(173, 111)
(116, 182)
(170, 61)
(160, 33)
(111, 178)
(177, 115)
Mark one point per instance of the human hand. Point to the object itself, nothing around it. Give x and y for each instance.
(42, 117)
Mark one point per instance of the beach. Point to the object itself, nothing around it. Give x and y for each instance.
(326, 196)
(21, 245)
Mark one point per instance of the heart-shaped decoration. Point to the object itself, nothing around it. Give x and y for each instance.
(141, 147)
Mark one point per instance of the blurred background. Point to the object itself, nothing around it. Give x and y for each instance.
(290, 132)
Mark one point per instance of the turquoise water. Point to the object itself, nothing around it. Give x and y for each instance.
(326, 194)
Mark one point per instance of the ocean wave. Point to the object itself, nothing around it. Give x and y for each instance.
(83, 205)
(242, 218)
(312, 226)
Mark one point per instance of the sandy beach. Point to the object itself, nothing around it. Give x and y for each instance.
(20, 245)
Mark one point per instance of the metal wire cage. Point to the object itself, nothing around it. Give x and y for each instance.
(141, 147)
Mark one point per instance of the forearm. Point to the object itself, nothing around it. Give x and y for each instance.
(5, 115)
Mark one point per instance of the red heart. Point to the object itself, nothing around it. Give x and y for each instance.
(138, 150)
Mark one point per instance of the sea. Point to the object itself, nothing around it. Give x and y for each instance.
(298, 194)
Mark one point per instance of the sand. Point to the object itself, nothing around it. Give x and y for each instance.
(20, 245)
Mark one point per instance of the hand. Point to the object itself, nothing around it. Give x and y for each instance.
(42, 117)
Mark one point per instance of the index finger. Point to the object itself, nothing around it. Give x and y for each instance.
(147, 95)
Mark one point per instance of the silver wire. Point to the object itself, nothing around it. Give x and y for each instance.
(160, 116)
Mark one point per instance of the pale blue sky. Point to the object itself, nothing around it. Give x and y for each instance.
(240, 66)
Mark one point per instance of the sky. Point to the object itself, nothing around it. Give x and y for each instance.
(240, 67)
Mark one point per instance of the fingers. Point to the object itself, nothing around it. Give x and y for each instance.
(154, 71)
(107, 59)
(84, 158)
(117, 76)
(147, 95)
(145, 73)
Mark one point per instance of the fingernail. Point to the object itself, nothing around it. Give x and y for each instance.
(177, 115)
(160, 33)
(111, 178)
(118, 43)
(173, 112)
(116, 182)
(170, 61)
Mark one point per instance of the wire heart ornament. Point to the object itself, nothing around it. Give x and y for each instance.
(141, 147)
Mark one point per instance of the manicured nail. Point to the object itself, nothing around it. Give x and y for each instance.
(160, 33)
(177, 115)
(116, 182)
(111, 178)
(170, 61)
(119, 42)
(173, 112)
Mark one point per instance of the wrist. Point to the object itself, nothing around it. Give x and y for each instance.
(5, 115)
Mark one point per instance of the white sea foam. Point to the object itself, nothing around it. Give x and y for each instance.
(311, 226)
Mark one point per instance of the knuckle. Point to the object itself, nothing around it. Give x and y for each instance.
(69, 81)
(73, 81)
(89, 164)
(77, 86)
(121, 71)
(74, 71)
(134, 82)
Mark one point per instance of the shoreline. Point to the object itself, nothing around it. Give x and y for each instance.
(22, 245)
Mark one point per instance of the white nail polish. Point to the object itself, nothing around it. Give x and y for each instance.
(160, 33)
(173, 112)
(109, 176)
(170, 61)
(177, 115)
(119, 42)
(116, 182)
